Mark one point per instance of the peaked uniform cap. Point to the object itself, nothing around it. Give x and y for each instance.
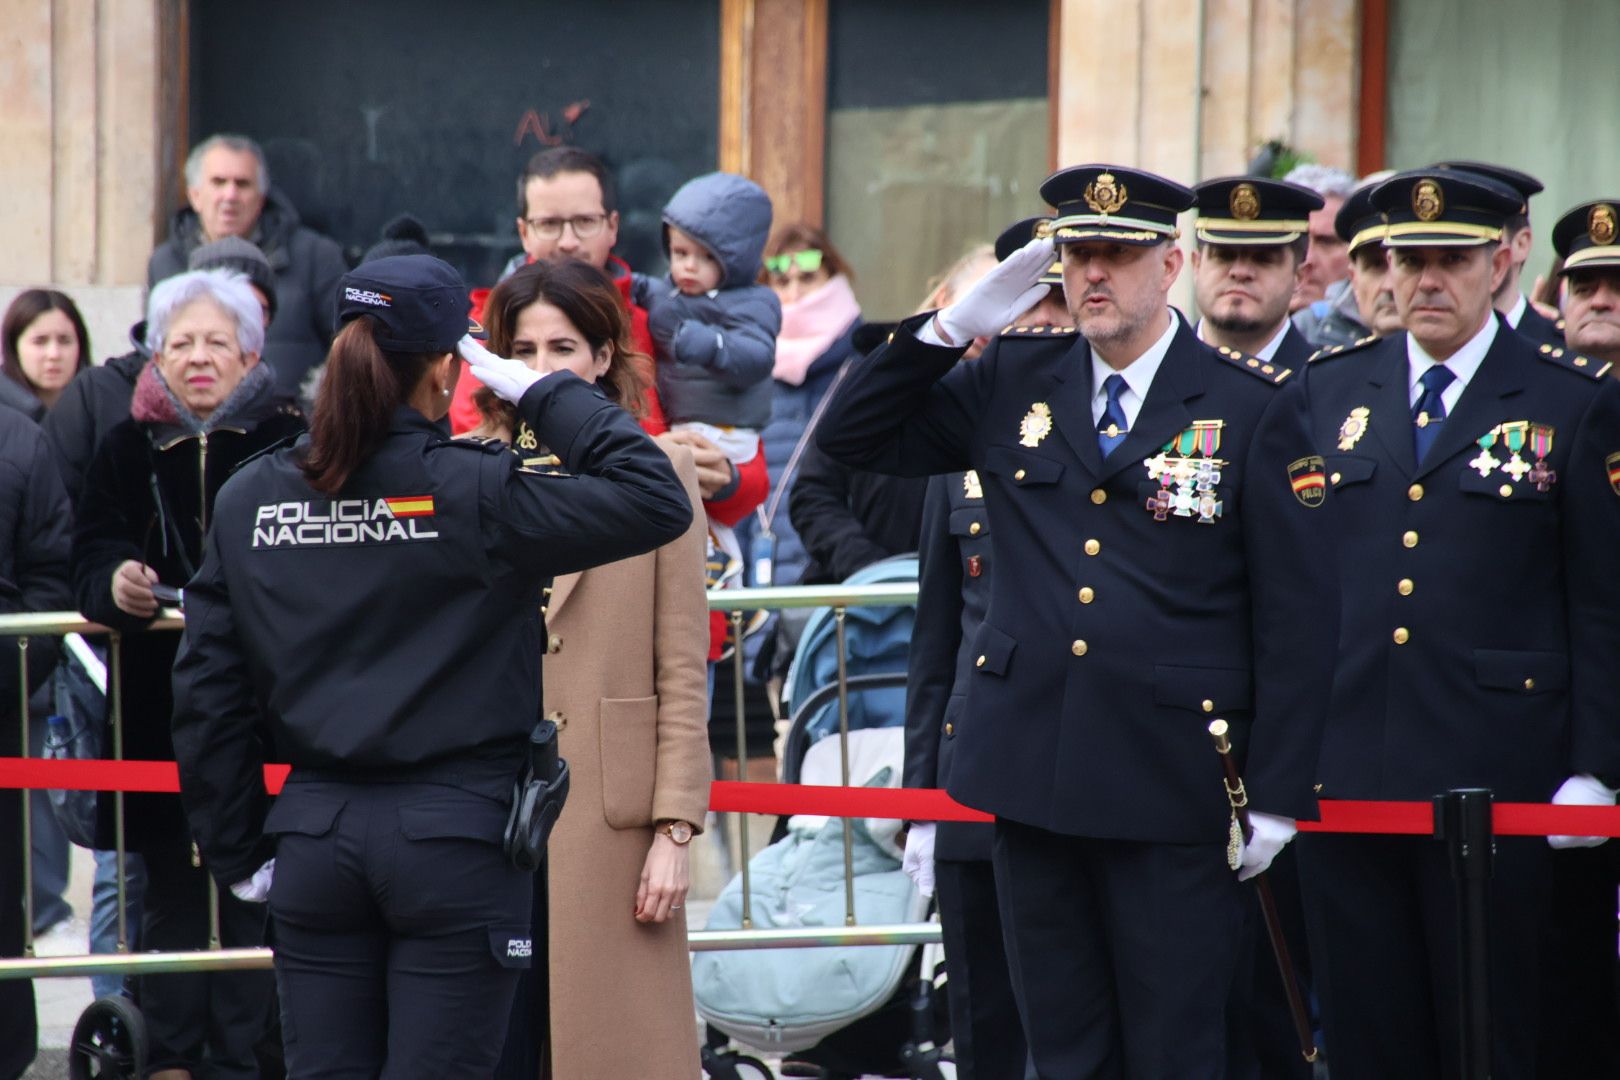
(1114, 203)
(1253, 211)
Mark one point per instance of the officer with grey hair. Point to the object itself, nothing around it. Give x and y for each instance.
(1327, 260)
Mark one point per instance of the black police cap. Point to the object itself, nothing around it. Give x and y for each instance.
(1522, 182)
(419, 300)
(1444, 208)
(1358, 222)
(1253, 211)
(1020, 233)
(1111, 202)
(1586, 237)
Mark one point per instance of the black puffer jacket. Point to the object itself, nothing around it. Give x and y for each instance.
(34, 541)
(307, 265)
(148, 496)
(94, 403)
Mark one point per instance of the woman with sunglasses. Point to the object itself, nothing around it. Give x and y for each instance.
(204, 403)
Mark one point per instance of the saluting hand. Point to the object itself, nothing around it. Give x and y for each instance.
(132, 589)
(509, 379)
(999, 297)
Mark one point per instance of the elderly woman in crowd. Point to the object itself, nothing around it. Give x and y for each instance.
(625, 682)
(202, 404)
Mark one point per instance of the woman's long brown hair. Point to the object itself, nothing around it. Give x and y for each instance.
(362, 386)
(591, 301)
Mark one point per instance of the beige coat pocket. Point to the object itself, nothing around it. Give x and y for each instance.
(629, 743)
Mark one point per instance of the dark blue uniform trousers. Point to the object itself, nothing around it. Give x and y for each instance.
(986, 1032)
(400, 926)
(1122, 952)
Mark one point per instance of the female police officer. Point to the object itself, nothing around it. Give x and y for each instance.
(368, 610)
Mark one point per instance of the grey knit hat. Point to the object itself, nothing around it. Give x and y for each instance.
(234, 253)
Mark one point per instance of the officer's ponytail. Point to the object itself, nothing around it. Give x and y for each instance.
(362, 386)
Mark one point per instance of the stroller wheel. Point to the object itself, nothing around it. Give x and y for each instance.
(109, 1041)
(729, 1066)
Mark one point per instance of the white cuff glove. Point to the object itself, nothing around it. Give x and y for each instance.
(1271, 835)
(918, 862)
(1582, 790)
(998, 298)
(256, 889)
(508, 378)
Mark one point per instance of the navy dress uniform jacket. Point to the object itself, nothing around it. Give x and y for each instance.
(395, 631)
(1113, 638)
(1540, 330)
(1481, 618)
(953, 592)
(1294, 351)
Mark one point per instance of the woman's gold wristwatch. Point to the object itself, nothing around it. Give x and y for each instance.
(679, 831)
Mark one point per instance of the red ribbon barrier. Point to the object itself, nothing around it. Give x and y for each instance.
(915, 804)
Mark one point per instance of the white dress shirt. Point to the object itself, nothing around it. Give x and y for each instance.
(1138, 376)
(1463, 363)
(1517, 313)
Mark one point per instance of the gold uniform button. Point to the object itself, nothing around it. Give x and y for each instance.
(1415, 492)
(1404, 586)
(950, 729)
(973, 529)
(1409, 539)
(1092, 547)
(1208, 705)
(1019, 475)
(1529, 684)
(1505, 490)
(546, 591)
(1078, 648)
(979, 662)
(1099, 496)
(1402, 635)
(554, 644)
(1087, 595)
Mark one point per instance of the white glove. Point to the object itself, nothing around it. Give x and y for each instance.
(1582, 790)
(256, 889)
(508, 378)
(918, 862)
(1270, 835)
(997, 299)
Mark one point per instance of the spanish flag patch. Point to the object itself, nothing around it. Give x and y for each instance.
(404, 506)
(1308, 478)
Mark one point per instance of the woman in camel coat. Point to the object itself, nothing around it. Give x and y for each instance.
(626, 683)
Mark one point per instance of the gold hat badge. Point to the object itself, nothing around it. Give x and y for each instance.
(1427, 201)
(1600, 225)
(1105, 195)
(1244, 202)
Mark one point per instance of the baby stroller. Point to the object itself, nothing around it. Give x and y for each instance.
(836, 1012)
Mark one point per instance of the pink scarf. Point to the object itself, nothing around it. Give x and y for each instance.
(810, 325)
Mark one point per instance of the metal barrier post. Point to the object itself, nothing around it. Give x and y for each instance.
(1462, 819)
(839, 614)
(27, 804)
(115, 688)
(742, 764)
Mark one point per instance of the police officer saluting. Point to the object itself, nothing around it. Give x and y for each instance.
(1153, 572)
(1252, 238)
(368, 610)
(1477, 512)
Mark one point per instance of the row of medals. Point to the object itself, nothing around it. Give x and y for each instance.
(1514, 436)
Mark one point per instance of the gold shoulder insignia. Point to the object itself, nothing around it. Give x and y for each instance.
(1330, 351)
(1570, 361)
(1038, 331)
(1253, 365)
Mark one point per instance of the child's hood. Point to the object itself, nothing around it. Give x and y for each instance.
(728, 214)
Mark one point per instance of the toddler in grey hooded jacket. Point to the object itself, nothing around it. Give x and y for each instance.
(715, 329)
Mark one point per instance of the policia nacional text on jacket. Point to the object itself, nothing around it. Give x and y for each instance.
(400, 677)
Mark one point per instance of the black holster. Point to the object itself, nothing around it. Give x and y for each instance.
(537, 799)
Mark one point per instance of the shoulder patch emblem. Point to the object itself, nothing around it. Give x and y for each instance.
(1264, 370)
(1573, 361)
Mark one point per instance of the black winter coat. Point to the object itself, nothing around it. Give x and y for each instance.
(148, 496)
(94, 403)
(848, 518)
(34, 541)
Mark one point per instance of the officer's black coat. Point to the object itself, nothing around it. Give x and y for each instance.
(389, 657)
(1540, 330)
(1508, 677)
(1187, 621)
(953, 591)
(1294, 351)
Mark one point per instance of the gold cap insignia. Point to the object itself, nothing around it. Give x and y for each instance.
(1600, 224)
(1244, 202)
(1036, 425)
(1427, 201)
(1105, 195)
(1043, 228)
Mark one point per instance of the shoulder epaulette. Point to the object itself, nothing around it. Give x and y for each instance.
(1038, 331)
(1559, 326)
(279, 444)
(1573, 361)
(488, 445)
(1263, 370)
(1331, 351)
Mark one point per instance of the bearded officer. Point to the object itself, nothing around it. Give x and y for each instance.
(1476, 521)
(1252, 237)
(1154, 570)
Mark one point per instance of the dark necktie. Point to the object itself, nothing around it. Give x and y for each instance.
(1430, 411)
(1111, 429)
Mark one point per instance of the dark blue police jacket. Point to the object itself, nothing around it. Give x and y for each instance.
(1134, 600)
(1481, 619)
(953, 592)
(394, 631)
